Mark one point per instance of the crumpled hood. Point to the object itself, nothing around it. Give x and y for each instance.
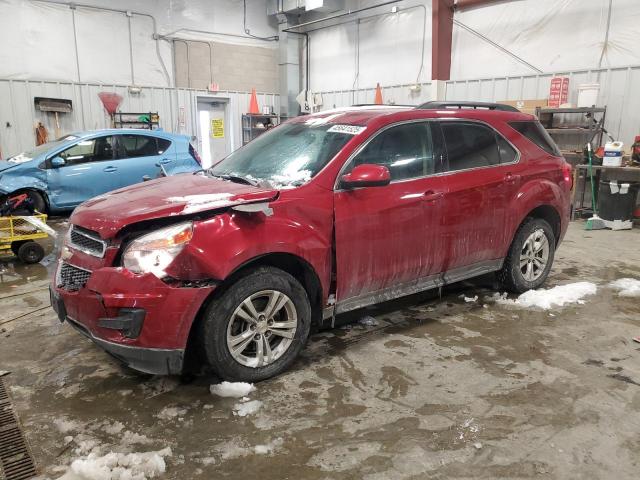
(4, 165)
(165, 197)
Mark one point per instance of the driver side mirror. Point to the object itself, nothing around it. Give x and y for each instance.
(57, 162)
(366, 175)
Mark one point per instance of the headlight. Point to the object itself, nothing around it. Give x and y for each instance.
(154, 252)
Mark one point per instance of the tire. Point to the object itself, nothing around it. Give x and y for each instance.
(30, 252)
(15, 246)
(227, 320)
(38, 201)
(521, 271)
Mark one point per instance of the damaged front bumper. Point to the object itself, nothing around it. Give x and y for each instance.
(138, 319)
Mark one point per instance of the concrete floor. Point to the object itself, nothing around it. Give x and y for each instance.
(440, 388)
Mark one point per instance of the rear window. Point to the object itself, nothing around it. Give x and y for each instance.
(538, 135)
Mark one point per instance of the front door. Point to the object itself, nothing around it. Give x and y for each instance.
(481, 181)
(386, 236)
(88, 171)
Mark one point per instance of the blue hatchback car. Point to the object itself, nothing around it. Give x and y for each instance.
(61, 175)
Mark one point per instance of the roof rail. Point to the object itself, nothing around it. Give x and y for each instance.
(471, 105)
(381, 105)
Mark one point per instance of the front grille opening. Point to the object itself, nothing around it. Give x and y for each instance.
(87, 241)
(16, 462)
(72, 278)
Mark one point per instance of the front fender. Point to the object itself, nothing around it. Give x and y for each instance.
(17, 179)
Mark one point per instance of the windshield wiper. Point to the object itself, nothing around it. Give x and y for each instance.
(235, 178)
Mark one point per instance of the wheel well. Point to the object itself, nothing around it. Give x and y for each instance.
(39, 192)
(292, 264)
(550, 215)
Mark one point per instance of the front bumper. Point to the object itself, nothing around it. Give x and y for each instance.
(138, 319)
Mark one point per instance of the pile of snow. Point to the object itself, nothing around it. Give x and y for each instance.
(246, 408)
(119, 466)
(268, 448)
(553, 297)
(628, 287)
(168, 413)
(232, 389)
(368, 321)
(64, 425)
(470, 299)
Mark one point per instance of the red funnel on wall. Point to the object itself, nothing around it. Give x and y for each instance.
(111, 101)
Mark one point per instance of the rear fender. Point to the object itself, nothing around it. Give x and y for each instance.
(532, 195)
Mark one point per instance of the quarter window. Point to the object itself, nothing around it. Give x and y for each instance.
(91, 150)
(406, 150)
(470, 145)
(535, 132)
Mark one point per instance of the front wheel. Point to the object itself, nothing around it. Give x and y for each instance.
(530, 257)
(257, 328)
(30, 252)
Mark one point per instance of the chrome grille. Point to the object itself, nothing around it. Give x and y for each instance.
(86, 241)
(71, 278)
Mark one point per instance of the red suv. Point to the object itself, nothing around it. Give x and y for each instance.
(324, 214)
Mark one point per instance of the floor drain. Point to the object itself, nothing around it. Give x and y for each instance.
(15, 460)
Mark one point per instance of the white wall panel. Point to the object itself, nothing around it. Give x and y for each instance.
(17, 109)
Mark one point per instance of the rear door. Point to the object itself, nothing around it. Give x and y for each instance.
(88, 171)
(140, 157)
(482, 178)
(385, 236)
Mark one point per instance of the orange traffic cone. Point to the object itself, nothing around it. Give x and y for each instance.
(378, 99)
(253, 103)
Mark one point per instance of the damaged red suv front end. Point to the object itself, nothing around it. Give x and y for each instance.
(118, 285)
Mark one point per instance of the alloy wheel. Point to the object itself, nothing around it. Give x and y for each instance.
(262, 328)
(534, 255)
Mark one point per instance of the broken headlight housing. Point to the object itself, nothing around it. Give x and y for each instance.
(154, 252)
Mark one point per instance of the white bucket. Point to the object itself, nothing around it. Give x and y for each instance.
(588, 94)
(613, 154)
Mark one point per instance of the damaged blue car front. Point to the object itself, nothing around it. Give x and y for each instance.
(60, 175)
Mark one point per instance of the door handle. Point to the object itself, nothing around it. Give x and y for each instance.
(164, 161)
(432, 196)
(511, 178)
(110, 168)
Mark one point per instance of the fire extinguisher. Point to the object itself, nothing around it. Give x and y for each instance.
(635, 150)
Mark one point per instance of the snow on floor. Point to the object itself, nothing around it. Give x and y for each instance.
(552, 297)
(169, 413)
(232, 389)
(118, 466)
(627, 287)
(247, 408)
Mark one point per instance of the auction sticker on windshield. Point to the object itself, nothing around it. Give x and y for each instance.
(349, 129)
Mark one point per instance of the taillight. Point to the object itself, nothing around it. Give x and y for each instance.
(194, 154)
(567, 174)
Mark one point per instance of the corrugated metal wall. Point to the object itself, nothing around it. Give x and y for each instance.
(18, 115)
(619, 92)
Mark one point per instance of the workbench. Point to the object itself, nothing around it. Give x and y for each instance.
(581, 183)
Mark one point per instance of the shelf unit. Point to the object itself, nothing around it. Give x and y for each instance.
(142, 120)
(251, 128)
(573, 128)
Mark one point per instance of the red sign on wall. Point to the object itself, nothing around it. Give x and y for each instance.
(559, 91)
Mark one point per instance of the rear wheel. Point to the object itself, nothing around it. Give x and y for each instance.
(30, 252)
(530, 257)
(257, 328)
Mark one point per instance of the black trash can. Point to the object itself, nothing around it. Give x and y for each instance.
(617, 201)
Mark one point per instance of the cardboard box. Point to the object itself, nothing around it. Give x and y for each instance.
(526, 106)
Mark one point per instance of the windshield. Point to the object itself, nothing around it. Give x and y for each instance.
(39, 150)
(286, 156)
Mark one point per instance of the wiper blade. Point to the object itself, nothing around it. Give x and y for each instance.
(235, 178)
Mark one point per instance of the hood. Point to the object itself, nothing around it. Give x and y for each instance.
(4, 165)
(165, 197)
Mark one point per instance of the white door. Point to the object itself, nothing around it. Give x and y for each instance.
(214, 132)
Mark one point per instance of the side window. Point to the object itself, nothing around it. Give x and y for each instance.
(93, 150)
(470, 145)
(406, 150)
(508, 154)
(131, 146)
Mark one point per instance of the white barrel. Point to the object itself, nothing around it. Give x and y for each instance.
(613, 154)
